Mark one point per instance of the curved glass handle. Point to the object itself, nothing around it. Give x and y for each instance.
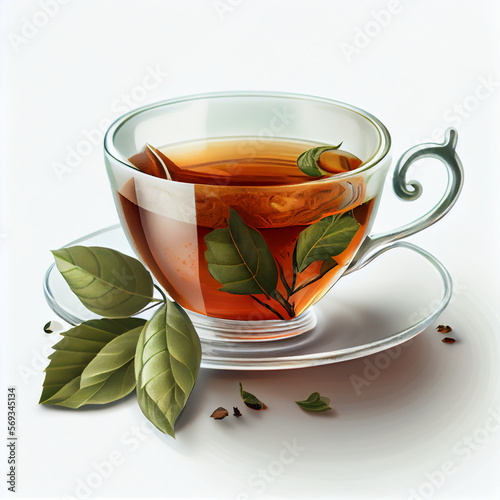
(410, 190)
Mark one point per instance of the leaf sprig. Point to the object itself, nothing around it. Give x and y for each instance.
(103, 360)
(239, 258)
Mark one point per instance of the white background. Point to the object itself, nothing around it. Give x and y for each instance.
(420, 69)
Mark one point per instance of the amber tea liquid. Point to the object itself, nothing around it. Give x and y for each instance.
(260, 180)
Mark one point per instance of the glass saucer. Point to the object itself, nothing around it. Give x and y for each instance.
(384, 304)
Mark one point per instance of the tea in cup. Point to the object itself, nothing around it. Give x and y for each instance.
(248, 207)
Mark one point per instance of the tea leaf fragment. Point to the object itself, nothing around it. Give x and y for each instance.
(52, 326)
(315, 403)
(238, 257)
(153, 162)
(167, 361)
(83, 369)
(448, 340)
(308, 161)
(251, 401)
(444, 328)
(324, 239)
(220, 413)
(107, 282)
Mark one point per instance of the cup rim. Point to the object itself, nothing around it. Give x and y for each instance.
(381, 152)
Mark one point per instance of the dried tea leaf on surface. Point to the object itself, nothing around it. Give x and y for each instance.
(444, 328)
(220, 413)
(448, 340)
(315, 403)
(251, 401)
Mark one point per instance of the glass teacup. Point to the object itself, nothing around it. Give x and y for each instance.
(250, 250)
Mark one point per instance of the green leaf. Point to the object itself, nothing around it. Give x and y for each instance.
(324, 239)
(93, 363)
(327, 266)
(111, 357)
(315, 403)
(47, 327)
(167, 361)
(251, 401)
(308, 160)
(238, 257)
(106, 281)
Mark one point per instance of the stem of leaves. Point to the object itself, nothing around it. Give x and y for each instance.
(162, 293)
(157, 302)
(284, 302)
(300, 287)
(294, 279)
(267, 306)
(154, 302)
(285, 282)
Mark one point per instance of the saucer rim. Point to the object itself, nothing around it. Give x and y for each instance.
(291, 361)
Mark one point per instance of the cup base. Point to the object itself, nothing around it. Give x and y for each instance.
(225, 330)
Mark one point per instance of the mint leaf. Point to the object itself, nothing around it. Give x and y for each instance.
(308, 160)
(315, 403)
